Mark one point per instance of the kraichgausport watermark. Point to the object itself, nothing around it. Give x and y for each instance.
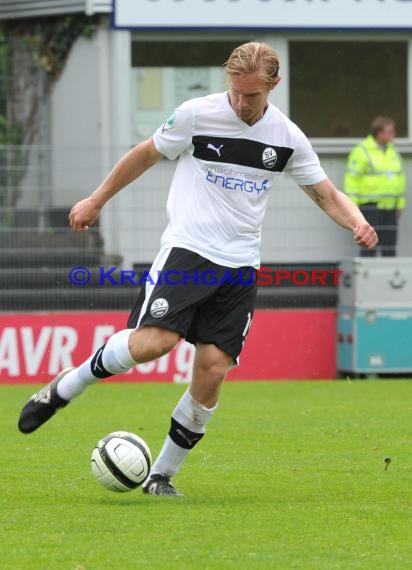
(265, 276)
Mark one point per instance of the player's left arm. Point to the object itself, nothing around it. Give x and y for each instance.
(342, 210)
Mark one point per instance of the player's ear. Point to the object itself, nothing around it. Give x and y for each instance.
(274, 83)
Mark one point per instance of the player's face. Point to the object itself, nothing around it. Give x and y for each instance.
(248, 96)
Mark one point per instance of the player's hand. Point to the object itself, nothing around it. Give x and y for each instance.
(364, 234)
(83, 214)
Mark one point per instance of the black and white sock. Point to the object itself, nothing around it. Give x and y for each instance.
(112, 358)
(188, 426)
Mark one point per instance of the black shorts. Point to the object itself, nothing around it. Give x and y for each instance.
(202, 301)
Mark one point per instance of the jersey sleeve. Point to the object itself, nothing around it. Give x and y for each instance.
(175, 135)
(304, 166)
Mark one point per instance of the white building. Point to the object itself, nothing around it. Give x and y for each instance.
(342, 62)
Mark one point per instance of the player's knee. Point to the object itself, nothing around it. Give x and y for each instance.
(148, 343)
(217, 372)
(214, 368)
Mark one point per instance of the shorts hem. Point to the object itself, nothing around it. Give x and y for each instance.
(218, 345)
(159, 326)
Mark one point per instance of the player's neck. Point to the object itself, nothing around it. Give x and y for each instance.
(252, 120)
(257, 118)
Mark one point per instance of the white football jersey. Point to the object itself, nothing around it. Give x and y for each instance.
(225, 170)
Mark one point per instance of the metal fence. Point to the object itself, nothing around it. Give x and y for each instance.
(38, 250)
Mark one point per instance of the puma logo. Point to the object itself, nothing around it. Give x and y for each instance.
(96, 365)
(216, 149)
(189, 440)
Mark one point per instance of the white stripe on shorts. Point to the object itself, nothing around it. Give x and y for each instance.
(157, 265)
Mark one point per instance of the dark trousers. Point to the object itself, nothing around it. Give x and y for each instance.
(385, 223)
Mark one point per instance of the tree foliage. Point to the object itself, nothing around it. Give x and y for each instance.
(33, 53)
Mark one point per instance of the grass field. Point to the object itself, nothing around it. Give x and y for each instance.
(291, 475)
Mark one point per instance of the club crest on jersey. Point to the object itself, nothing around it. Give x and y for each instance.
(269, 157)
(159, 308)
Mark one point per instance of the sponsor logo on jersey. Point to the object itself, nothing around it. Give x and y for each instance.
(269, 157)
(159, 308)
(167, 125)
(237, 184)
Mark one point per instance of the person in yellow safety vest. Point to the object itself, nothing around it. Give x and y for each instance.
(375, 181)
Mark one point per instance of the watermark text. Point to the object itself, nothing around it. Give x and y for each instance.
(265, 276)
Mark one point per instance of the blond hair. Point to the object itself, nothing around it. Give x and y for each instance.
(253, 57)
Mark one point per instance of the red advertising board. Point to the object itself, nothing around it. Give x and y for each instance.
(282, 344)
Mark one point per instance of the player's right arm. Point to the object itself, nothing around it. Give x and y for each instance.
(132, 165)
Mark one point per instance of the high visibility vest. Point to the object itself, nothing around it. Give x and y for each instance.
(375, 175)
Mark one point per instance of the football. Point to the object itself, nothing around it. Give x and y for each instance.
(121, 461)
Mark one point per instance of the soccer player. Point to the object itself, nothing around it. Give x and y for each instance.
(232, 149)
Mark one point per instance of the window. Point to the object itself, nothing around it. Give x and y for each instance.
(166, 73)
(337, 87)
(181, 53)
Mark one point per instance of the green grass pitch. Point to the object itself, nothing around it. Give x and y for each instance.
(291, 475)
